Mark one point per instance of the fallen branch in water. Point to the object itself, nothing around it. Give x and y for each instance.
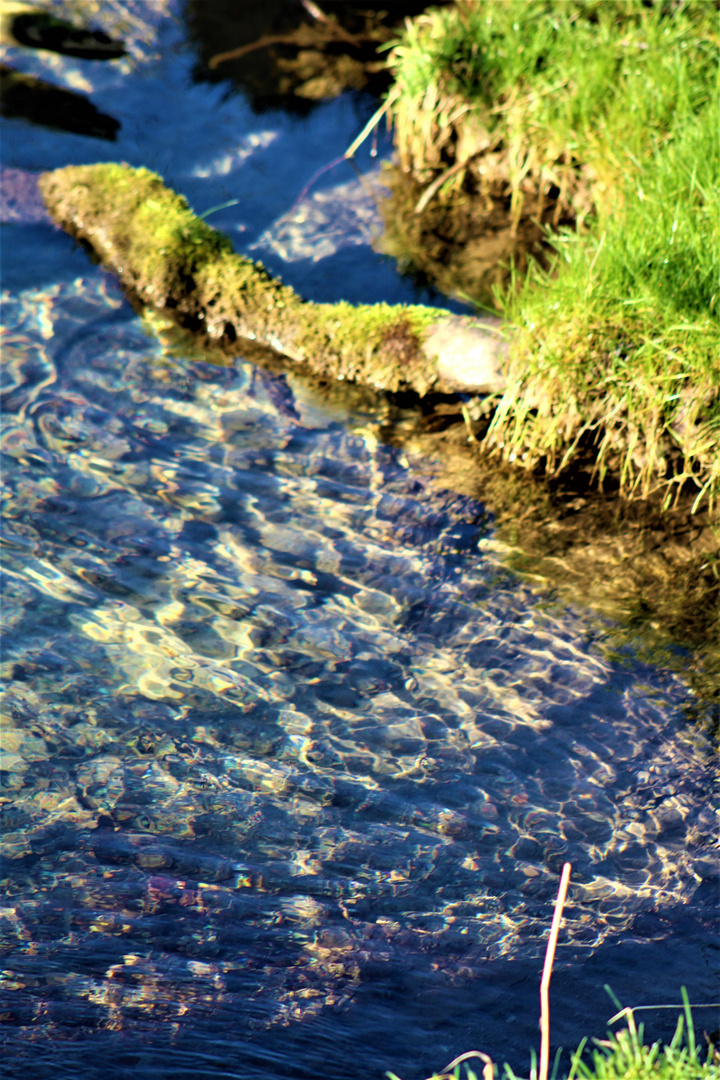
(303, 36)
(167, 257)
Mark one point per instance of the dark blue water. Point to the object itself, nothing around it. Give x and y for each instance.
(291, 763)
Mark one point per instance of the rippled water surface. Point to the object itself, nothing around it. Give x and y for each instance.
(291, 764)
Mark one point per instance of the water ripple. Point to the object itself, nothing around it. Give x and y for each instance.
(276, 727)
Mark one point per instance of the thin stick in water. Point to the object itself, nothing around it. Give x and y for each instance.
(547, 972)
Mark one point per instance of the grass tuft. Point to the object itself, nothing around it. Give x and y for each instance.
(619, 345)
(622, 1056)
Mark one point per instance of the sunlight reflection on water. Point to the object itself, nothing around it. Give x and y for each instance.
(267, 687)
(282, 739)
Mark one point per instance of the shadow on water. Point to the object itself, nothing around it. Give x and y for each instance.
(650, 573)
(292, 55)
(42, 103)
(291, 756)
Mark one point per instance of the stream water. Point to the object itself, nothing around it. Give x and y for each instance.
(291, 763)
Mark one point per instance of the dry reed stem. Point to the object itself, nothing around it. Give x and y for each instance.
(488, 1067)
(629, 1009)
(547, 972)
(440, 180)
(371, 124)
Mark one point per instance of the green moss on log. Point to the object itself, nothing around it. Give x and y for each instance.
(169, 258)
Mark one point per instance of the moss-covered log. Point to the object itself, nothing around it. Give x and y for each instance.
(167, 257)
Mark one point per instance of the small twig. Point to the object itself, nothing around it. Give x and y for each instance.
(637, 1008)
(316, 13)
(488, 1067)
(261, 43)
(547, 972)
(440, 180)
(347, 156)
(331, 29)
(315, 176)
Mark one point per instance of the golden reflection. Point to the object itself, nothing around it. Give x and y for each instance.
(276, 718)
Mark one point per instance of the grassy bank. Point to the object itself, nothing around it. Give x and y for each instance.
(604, 116)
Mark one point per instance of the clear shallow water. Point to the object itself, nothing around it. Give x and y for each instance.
(291, 765)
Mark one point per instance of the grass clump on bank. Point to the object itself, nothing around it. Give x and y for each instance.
(619, 347)
(624, 1055)
(566, 89)
(604, 116)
